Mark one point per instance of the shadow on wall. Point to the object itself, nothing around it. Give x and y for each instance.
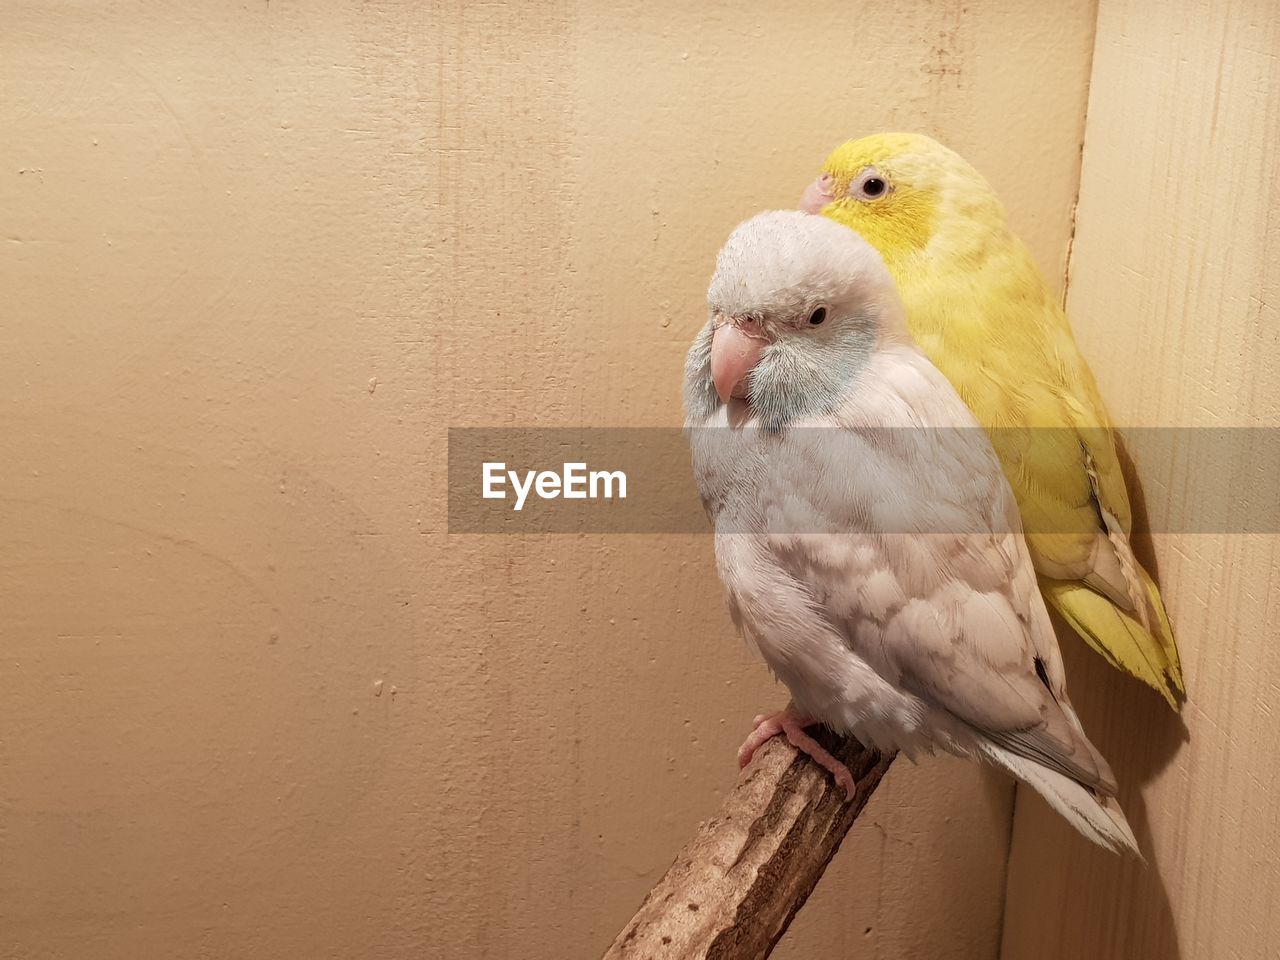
(1127, 907)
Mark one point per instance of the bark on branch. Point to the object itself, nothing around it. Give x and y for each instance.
(734, 888)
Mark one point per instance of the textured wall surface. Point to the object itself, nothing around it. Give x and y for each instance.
(1175, 295)
(255, 701)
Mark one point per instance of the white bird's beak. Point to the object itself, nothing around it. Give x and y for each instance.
(736, 347)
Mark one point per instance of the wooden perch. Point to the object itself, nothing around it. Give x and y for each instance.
(734, 888)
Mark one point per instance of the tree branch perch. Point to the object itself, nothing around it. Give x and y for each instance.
(734, 888)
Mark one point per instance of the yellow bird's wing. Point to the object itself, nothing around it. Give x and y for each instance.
(1110, 600)
(1016, 364)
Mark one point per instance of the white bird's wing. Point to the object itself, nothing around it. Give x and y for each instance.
(970, 650)
(967, 631)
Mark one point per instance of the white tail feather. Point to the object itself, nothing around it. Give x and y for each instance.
(1100, 819)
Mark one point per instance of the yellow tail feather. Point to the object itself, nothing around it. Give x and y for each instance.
(1121, 639)
(1173, 663)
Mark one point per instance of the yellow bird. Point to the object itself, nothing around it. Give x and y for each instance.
(979, 308)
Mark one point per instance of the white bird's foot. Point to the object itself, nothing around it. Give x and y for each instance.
(790, 723)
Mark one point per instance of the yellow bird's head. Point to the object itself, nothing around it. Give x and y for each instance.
(905, 194)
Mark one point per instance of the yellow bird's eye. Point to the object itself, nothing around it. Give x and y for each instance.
(870, 184)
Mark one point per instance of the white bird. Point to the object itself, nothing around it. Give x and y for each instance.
(869, 544)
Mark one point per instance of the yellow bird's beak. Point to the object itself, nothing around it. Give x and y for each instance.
(818, 194)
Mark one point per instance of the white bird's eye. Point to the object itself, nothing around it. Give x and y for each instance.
(870, 184)
(818, 316)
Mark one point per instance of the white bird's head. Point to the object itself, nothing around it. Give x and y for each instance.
(798, 306)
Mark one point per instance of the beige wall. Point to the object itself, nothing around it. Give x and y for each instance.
(254, 700)
(1175, 288)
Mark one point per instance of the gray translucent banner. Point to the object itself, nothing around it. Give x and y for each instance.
(640, 480)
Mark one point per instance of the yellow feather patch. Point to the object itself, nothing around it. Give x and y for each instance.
(1115, 635)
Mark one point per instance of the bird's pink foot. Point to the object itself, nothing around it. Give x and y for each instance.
(791, 724)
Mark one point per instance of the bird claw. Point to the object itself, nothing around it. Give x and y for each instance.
(791, 724)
